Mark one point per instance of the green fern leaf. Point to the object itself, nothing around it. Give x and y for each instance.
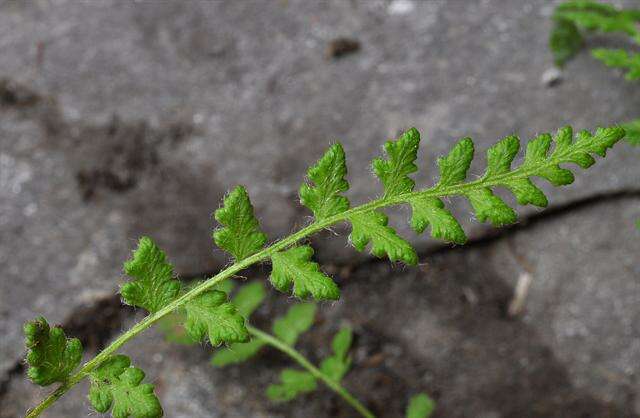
(499, 158)
(600, 142)
(327, 175)
(501, 155)
(248, 298)
(117, 386)
(633, 131)
(172, 325)
(488, 206)
(420, 406)
(527, 193)
(240, 235)
(565, 41)
(292, 384)
(599, 17)
(295, 322)
(619, 58)
(553, 173)
(454, 167)
(338, 364)
(51, 355)
(288, 328)
(154, 285)
(210, 314)
(430, 211)
(293, 268)
(394, 172)
(538, 149)
(371, 227)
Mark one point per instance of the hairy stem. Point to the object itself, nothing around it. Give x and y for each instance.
(317, 373)
(522, 172)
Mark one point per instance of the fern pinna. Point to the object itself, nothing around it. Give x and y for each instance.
(207, 313)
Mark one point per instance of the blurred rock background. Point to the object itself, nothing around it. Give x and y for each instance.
(119, 119)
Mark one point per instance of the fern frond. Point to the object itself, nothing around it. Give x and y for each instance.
(209, 314)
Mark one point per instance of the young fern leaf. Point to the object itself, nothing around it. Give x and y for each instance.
(537, 154)
(294, 323)
(172, 325)
(430, 210)
(371, 227)
(332, 369)
(565, 41)
(633, 131)
(154, 285)
(117, 386)
(327, 175)
(488, 206)
(288, 328)
(292, 384)
(338, 364)
(240, 235)
(420, 406)
(394, 172)
(453, 168)
(247, 300)
(619, 58)
(293, 268)
(501, 155)
(51, 355)
(210, 314)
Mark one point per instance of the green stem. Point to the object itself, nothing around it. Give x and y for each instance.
(317, 373)
(521, 172)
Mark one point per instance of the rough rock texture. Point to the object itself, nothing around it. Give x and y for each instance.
(121, 119)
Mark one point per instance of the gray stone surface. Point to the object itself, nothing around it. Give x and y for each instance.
(121, 119)
(443, 328)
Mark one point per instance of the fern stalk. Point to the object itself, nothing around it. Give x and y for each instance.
(317, 373)
(399, 190)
